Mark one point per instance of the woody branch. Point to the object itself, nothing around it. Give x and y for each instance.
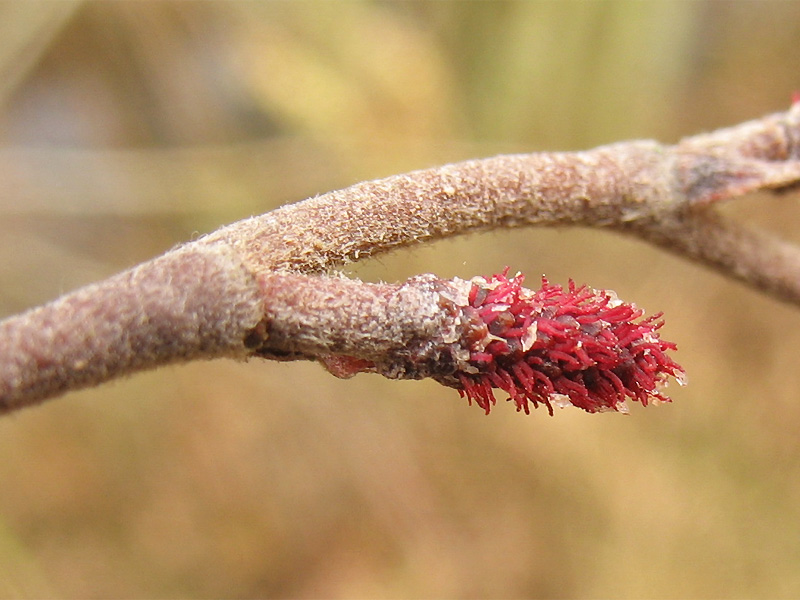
(263, 287)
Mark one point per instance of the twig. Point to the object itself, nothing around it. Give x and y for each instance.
(261, 286)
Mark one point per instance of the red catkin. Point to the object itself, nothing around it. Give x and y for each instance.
(560, 346)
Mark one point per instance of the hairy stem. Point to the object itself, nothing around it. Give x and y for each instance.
(603, 186)
(753, 257)
(259, 286)
(195, 302)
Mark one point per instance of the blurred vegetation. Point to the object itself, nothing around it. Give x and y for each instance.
(126, 128)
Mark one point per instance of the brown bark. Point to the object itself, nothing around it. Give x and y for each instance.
(262, 286)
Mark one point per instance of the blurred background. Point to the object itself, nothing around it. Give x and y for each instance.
(126, 128)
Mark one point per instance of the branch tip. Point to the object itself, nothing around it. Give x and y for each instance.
(554, 346)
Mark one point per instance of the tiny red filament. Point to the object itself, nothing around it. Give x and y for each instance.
(575, 345)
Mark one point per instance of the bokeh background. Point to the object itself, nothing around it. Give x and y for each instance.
(126, 128)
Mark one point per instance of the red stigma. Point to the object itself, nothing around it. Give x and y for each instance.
(557, 346)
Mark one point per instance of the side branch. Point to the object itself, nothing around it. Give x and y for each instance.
(554, 346)
(756, 258)
(611, 184)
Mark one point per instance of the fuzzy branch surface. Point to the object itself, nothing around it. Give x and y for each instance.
(264, 287)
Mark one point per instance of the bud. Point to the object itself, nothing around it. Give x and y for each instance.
(559, 346)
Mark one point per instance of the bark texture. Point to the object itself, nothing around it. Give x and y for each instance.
(263, 286)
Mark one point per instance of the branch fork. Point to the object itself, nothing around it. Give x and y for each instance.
(265, 286)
